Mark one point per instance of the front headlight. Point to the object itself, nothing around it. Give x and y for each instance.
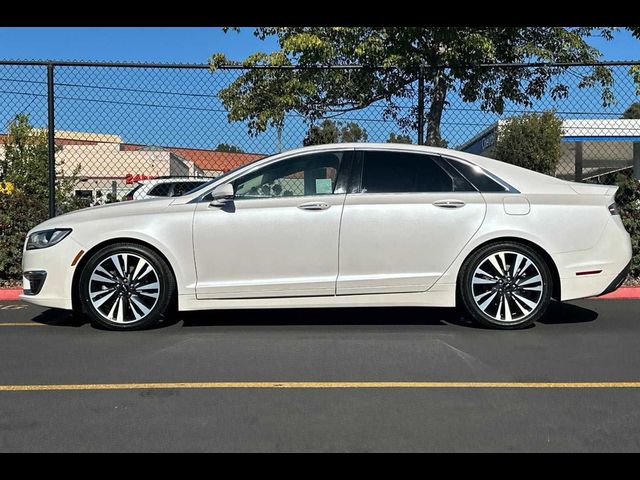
(46, 238)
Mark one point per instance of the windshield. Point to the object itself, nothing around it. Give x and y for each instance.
(233, 170)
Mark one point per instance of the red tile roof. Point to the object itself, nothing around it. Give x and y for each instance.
(207, 159)
(204, 159)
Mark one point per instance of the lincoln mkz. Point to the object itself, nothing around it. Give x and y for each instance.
(349, 225)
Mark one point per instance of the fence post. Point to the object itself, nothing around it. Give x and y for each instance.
(421, 104)
(636, 160)
(578, 162)
(51, 141)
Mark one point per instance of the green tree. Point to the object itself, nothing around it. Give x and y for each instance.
(352, 132)
(399, 138)
(635, 69)
(226, 147)
(25, 162)
(633, 111)
(331, 132)
(532, 141)
(26, 165)
(628, 199)
(452, 55)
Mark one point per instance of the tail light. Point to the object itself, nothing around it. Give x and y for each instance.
(130, 196)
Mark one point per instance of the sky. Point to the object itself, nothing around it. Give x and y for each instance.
(180, 108)
(177, 44)
(131, 44)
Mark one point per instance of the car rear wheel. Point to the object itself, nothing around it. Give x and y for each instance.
(506, 285)
(126, 286)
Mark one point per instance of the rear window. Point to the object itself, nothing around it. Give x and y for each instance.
(181, 188)
(161, 190)
(477, 177)
(135, 189)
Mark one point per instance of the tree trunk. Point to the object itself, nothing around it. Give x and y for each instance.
(434, 117)
(280, 138)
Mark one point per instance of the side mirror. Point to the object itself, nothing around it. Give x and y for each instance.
(221, 195)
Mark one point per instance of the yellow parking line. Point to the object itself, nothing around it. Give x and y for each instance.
(22, 324)
(316, 385)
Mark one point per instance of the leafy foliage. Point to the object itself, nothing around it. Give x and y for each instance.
(19, 212)
(628, 199)
(452, 55)
(633, 111)
(331, 132)
(25, 162)
(531, 141)
(6, 187)
(394, 138)
(225, 147)
(26, 165)
(25, 203)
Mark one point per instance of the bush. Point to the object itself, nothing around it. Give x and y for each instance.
(71, 203)
(531, 141)
(19, 213)
(628, 199)
(24, 190)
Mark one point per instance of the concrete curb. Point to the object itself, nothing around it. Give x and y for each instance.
(622, 293)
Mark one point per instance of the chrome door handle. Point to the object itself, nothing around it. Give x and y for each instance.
(314, 206)
(449, 203)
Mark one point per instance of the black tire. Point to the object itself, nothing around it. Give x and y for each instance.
(506, 289)
(165, 291)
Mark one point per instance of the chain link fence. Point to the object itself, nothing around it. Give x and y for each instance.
(117, 125)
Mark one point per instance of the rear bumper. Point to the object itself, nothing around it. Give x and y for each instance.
(618, 280)
(609, 259)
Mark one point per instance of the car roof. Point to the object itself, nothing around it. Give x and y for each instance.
(152, 181)
(522, 179)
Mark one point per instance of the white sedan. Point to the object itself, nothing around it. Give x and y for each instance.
(346, 225)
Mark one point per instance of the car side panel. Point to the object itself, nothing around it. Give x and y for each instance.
(400, 243)
(577, 231)
(170, 233)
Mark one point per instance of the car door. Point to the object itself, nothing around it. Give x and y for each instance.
(405, 219)
(279, 236)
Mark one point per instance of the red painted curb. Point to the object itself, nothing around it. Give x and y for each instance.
(10, 293)
(622, 293)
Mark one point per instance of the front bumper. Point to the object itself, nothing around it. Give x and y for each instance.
(33, 281)
(54, 264)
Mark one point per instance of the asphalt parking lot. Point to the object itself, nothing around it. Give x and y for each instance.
(202, 369)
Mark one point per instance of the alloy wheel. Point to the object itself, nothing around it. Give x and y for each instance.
(124, 288)
(507, 286)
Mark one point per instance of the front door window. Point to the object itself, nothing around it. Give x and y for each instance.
(313, 174)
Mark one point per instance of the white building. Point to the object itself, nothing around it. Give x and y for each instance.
(107, 165)
(590, 146)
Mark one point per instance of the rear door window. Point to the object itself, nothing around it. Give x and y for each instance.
(403, 172)
(161, 190)
(181, 188)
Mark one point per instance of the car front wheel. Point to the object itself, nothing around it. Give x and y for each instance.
(126, 286)
(506, 285)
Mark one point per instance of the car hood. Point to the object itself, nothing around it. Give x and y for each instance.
(106, 212)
